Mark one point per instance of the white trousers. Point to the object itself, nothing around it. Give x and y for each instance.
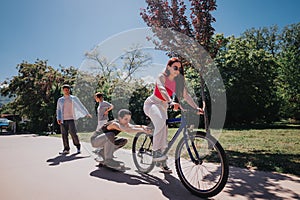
(156, 109)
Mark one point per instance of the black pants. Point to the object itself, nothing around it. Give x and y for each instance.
(119, 142)
(67, 127)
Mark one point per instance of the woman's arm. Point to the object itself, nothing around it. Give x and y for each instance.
(191, 101)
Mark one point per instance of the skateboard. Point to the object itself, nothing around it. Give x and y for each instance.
(100, 160)
(121, 167)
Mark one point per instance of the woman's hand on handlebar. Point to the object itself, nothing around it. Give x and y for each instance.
(176, 106)
(200, 111)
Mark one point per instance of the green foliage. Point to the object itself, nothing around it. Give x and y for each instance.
(289, 72)
(118, 85)
(84, 89)
(261, 71)
(136, 103)
(169, 18)
(131, 96)
(248, 72)
(36, 90)
(264, 38)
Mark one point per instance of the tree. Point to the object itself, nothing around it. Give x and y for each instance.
(248, 71)
(162, 14)
(134, 60)
(264, 38)
(118, 84)
(289, 72)
(36, 90)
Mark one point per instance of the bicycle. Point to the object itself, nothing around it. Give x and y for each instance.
(200, 160)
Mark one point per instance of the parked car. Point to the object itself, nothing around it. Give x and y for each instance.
(4, 123)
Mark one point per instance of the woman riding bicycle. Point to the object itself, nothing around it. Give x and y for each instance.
(168, 83)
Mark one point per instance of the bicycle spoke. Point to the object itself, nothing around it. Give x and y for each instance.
(143, 156)
(205, 176)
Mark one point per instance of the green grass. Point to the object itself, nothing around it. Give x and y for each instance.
(267, 149)
(276, 150)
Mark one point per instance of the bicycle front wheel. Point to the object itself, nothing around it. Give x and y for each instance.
(201, 164)
(142, 152)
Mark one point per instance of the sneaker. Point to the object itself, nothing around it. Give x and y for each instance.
(112, 164)
(99, 159)
(165, 168)
(64, 152)
(96, 151)
(78, 151)
(158, 156)
(100, 155)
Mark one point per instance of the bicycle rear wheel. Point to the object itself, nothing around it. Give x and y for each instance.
(207, 176)
(142, 152)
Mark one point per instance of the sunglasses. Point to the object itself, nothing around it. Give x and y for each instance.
(176, 68)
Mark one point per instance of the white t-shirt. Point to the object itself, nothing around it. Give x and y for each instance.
(68, 109)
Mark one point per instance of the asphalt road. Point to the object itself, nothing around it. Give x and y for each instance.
(31, 169)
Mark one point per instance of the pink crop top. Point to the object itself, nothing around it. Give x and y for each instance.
(170, 87)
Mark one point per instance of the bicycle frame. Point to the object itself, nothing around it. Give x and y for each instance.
(182, 127)
(205, 176)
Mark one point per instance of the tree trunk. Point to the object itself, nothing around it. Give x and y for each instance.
(206, 121)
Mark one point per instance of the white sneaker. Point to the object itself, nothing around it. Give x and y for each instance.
(99, 159)
(64, 152)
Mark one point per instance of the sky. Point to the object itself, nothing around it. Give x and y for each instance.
(62, 31)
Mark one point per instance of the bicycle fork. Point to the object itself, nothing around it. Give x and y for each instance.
(193, 153)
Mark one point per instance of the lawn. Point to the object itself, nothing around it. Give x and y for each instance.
(266, 149)
(276, 150)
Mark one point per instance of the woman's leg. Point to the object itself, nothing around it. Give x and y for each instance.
(158, 115)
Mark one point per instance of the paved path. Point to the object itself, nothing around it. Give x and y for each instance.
(31, 169)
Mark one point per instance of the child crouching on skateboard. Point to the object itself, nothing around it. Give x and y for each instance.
(106, 139)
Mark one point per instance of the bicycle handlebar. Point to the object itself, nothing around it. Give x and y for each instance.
(185, 112)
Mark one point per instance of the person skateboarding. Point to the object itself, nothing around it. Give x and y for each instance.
(107, 141)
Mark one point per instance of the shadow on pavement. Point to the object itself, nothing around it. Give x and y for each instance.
(64, 158)
(259, 184)
(170, 186)
(119, 177)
